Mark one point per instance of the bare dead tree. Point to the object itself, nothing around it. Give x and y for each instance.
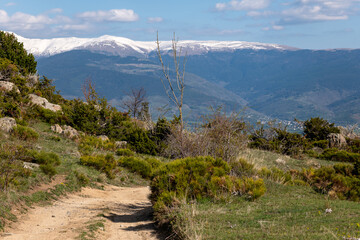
(134, 101)
(88, 89)
(174, 88)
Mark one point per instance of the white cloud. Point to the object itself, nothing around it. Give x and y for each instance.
(54, 23)
(318, 10)
(274, 27)
(277, 27)
(114, 15)
(155, 19)
(243, 5)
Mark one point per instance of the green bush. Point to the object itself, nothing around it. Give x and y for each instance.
(13, 50)
(90, 142)
(25, 133)
(333, 154)
(46, 158)
(11, 168)
(321, 144)
(48, 169)
(154, 163)
(317, 129)
(82, 178)
(103, 163)
(197, 178)
(137, 165)
(337, 181)
(125, 152)
(241, 167)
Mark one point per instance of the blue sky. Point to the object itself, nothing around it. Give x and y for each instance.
(313, 24)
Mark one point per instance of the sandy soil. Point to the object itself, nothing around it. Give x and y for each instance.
(126, 212)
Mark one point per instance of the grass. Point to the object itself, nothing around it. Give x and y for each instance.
(268, 159)
(285, 212)
(91, 229)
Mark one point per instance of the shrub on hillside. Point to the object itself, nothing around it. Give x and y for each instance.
(89, 142)
(241, 167)
(279, 140)
(137, 165)
(125, 152)
(337, 181)
(333, 154)
(317, 129)
(13, 50)
(11, 168)
(103, 163)
(197, 178)
(25, 133)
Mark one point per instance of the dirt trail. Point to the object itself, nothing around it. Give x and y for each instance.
(126, 213)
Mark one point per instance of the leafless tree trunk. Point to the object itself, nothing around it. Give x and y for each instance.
(174, 88)
(134, 101)
(88, 89)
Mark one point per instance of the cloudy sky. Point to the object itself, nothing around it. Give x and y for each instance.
(314, 24)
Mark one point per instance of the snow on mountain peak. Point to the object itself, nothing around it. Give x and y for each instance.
(126, 47)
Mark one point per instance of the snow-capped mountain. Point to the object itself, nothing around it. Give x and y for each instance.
(126, 47)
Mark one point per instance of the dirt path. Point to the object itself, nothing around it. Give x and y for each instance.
(125, 212)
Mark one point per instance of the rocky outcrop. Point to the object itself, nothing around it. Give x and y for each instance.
(56, 128)
(7, 124)
(70, 132)
(337, 140)
(8, 86)
(348, 132)
(65, 130)
(43, 102)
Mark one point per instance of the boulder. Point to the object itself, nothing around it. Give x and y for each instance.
(120, 144)
(7, 124)
(104, 138)
(348, 132)
(43, 102)
(8, 86)
(31, 166)
(337, 140)
(56, 128)
(70, 132)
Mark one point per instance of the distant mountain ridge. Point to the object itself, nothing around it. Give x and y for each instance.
(125, 47)
(271, 81)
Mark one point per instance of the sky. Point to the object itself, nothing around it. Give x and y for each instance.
(310, 24)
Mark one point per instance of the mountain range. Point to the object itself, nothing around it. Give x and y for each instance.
(270, 81)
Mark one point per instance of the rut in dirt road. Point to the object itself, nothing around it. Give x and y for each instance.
(125, 213)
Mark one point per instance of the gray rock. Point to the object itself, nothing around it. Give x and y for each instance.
(56, 128)
(43, 102)
(31, 166)
(70, 132)
(8, 86)
(7, 124)
(120, 144)
(337, 140)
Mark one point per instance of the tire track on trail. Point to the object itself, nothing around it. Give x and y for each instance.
(126, 213)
